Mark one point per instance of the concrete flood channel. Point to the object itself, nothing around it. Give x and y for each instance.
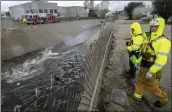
(60, 78)
(18, 39)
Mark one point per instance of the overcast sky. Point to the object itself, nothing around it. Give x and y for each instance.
(114, 5)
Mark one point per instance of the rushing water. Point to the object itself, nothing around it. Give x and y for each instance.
(29, 68)
(35, 66)
(49, 71)
(58, 68)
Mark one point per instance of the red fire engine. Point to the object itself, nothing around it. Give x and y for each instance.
(38, 19)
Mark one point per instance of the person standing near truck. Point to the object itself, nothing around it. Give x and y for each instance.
(24, 20)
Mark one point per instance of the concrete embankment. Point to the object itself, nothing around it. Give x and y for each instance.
(20, 39)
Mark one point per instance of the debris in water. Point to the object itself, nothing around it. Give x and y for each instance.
(18, 84)
(17, 108)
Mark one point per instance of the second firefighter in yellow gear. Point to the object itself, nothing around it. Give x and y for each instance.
(24, 21)
(154, 56)
(137, 38)
(134, 46)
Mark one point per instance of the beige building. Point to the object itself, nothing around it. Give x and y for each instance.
(73, 11)
(35, 7)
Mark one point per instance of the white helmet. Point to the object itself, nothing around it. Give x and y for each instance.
(154, 22)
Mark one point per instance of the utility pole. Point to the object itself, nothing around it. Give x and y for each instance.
(91, 4)
(86, 4)
(76, 12)
(153, 8)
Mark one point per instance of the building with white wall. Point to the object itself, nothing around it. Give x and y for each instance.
(102, 5)
(35, 7)
(73, 11)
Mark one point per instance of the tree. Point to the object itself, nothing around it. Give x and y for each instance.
(92, 13)
(101, 9)
(101, 12)
(131, 6)
(7, 14)
(163, 8)
(85, 4)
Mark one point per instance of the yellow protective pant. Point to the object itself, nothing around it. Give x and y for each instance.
(151, 85)
(24, 22)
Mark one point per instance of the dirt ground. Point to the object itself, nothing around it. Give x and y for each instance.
(115, 76)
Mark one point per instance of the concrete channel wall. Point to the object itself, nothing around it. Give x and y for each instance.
(20, 39)
(69, 81)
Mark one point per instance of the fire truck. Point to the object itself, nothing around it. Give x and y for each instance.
(32, 18)
(50, 18)
(41, 18)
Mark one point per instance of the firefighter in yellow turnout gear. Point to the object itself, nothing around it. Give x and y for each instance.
(134, 46)
(24, 20)
(154, 57)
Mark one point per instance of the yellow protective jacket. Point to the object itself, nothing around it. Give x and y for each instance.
(157, 48)
(137, 39)
(24, 20)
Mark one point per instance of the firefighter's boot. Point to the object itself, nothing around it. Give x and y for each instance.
(138, 99)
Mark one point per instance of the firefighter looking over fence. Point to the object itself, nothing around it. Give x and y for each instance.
(134, 46)
(154, 56)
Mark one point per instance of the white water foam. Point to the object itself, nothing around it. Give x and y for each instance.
(29, 68)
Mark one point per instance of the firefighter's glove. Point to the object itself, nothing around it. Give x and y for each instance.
(139, 60)
(133, 59)
(148, 75)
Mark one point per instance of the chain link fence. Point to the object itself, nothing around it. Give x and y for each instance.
(70, 81)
